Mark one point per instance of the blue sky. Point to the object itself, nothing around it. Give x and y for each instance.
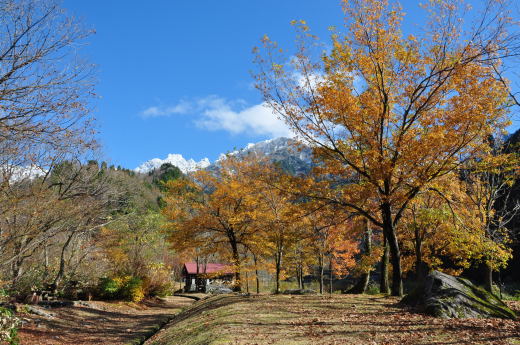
(174, 75)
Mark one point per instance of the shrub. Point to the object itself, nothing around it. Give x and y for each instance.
(372, 289)
(157, 281)
(133, 289)
(8, 327)
(109, 288)
(127, 288)
(4, 294)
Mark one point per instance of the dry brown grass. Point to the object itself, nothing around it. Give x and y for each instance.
(342, 319)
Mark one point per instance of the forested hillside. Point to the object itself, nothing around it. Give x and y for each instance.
(59, 226)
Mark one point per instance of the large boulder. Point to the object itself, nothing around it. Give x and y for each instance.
(446, 296)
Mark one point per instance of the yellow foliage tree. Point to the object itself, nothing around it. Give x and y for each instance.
(441, 224)
(488, 182)
(390, 114)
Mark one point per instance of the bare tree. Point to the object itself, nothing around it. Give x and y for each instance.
(50, 214)
(45, 87)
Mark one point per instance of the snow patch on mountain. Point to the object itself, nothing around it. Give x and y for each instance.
(287, 151)
(18, 173)
(185, 165)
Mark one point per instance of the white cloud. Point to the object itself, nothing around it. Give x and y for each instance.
(312, 81)
(257, 119)
(182, 107)
(215, 113)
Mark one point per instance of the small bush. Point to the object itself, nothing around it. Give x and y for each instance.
(8, 327)
(133, 289)
(109, 288)
(157, 281)
(372, 289)
(4, 295)
(127, 288)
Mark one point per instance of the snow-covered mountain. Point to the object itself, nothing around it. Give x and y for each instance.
(19, 173)
(185, 165)
(283, 151)
(288, 153)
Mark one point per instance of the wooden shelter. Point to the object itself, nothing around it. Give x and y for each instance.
(198, 277)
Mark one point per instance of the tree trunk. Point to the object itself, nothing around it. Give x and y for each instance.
(46, 258)
(256, 275)
(321, 268)
(301, 276)
(362, 284)
(421, 268)
(298, 277)
(278, 269)
(61, 271)
(236, 258)
(330, 275)
(238, 283)
(384, 286)
(395, 257)
(257, 282)
(488, 277)
(16, 271)
(16, 264)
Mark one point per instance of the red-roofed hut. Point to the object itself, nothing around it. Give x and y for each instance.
(197, 277)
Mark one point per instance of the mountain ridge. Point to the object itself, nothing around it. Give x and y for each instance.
(176, 159)
(288, 153)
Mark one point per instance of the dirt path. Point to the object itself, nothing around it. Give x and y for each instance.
(100, 322)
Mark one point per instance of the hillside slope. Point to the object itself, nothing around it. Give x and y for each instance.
(342, 319)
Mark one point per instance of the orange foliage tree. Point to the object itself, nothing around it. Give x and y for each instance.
(212, 211)
(330, 234)
(278, 220)
(388, 114)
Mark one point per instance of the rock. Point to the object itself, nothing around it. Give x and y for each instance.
(56, 304)
(82, 304)
(448, 297)
(39, 312)
(217, 289)
(299, 292)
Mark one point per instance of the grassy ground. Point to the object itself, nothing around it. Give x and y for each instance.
(342, 319)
